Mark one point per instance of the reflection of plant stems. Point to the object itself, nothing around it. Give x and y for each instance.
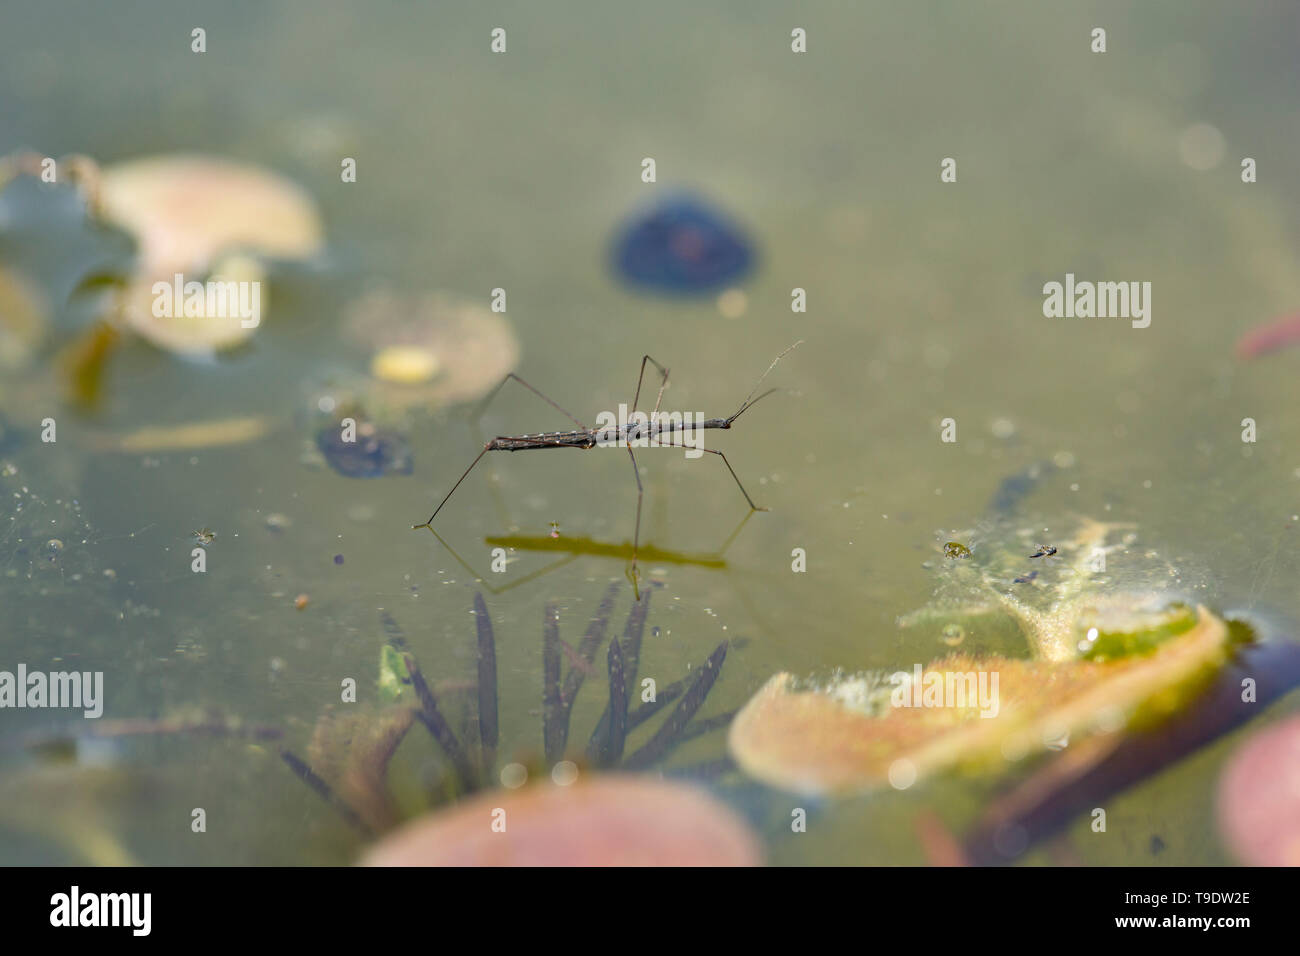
(428, 713)
(607, 748)
(552, 706)
(587, 652)
(662, 699)
(630, 654)
(487, 685)
(707, 726)
(437, 724)
(305, 774)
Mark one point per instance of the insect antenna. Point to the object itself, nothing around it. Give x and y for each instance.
(750, 399)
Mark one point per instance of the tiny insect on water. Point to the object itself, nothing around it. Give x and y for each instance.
(586, 437)
(1044, 551)
(204, 536)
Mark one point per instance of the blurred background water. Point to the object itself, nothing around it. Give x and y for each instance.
(478, 171)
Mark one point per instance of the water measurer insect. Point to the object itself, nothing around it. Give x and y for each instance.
(645, 431)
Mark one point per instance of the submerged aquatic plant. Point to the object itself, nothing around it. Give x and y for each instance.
(349, 756)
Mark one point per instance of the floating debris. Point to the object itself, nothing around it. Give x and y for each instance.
(375, 453)
(1047, 616)
(1269, 337)
(277, 522)
(606, 821)
(682, 247)
(955, 549)
(301, 601)
(210, 434)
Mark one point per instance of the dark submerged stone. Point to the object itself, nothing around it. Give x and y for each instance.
(682, 246)
(374, 454)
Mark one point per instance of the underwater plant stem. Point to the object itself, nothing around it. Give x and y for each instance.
(305, 774)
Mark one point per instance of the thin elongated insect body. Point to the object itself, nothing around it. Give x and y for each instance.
(645, 432)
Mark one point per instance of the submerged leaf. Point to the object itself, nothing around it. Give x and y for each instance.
(351, 752)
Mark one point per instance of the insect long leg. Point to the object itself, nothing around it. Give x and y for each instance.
(712, 451)
(662, 385)
(636, 472)
(478, 412)
(482, 407)
(536, 443)
(657, 442)
(636, 535)
(429, 524)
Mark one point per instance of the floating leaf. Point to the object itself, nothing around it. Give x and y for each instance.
(858, 736)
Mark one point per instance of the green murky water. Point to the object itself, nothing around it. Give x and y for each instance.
(479, 171)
